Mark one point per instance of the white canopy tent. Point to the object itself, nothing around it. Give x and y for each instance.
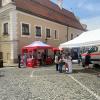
(89, 38)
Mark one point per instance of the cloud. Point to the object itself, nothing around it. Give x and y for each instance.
(92, 23)
(81, 3)
(92, 7)
(89, 6)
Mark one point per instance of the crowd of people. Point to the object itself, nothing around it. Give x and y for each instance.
(63, 59)
(39, 56)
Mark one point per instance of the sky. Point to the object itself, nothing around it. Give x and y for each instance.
(88, 11)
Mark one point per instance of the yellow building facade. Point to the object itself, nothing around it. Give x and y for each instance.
(19, 28)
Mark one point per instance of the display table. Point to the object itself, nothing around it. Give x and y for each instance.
(32, 62)
(49, 61)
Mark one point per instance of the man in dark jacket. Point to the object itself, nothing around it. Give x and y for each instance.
(87, 60)
(19, 60)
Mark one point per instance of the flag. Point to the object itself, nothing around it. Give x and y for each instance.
(59, 3)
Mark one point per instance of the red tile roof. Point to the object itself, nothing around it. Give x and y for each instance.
(48, 10)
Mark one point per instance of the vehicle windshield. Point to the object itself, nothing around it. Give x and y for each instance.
(91, 50)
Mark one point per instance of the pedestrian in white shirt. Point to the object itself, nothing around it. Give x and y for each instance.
(56, 61)
(68, 63)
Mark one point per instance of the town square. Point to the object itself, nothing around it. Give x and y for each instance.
(49, 50)
(46, 83)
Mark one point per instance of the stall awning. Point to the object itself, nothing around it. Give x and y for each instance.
(38, 45)
(89, 38)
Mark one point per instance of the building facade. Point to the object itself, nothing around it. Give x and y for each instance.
(25, 21)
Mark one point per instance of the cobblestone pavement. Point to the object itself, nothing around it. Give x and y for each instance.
(47, 84)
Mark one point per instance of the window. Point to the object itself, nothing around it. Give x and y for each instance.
(55, 34)
(1, 55)
(5, 29)
(93, 49)
(25, 29)
(71, 36)
(38, 31)
(48, 33)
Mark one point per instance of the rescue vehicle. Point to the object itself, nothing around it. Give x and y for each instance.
(94, 54)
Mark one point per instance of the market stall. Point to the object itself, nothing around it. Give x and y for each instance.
(88, 38)
(33, 54)
(57, 49)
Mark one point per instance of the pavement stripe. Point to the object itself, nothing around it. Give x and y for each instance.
(91, 92)
(39, 70)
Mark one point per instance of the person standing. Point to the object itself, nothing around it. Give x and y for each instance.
(69, 62)
(56, 61)
(79, 59)
(66, 64)
(19, 61)
(87, 60)
(39, 58)
(61, 62)
(25, 59)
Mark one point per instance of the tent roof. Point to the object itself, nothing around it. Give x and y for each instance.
(89, 38)
(38, 45)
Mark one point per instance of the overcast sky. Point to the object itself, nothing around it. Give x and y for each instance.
(87, 10)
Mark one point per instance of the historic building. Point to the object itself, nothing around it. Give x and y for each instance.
(25, 21)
